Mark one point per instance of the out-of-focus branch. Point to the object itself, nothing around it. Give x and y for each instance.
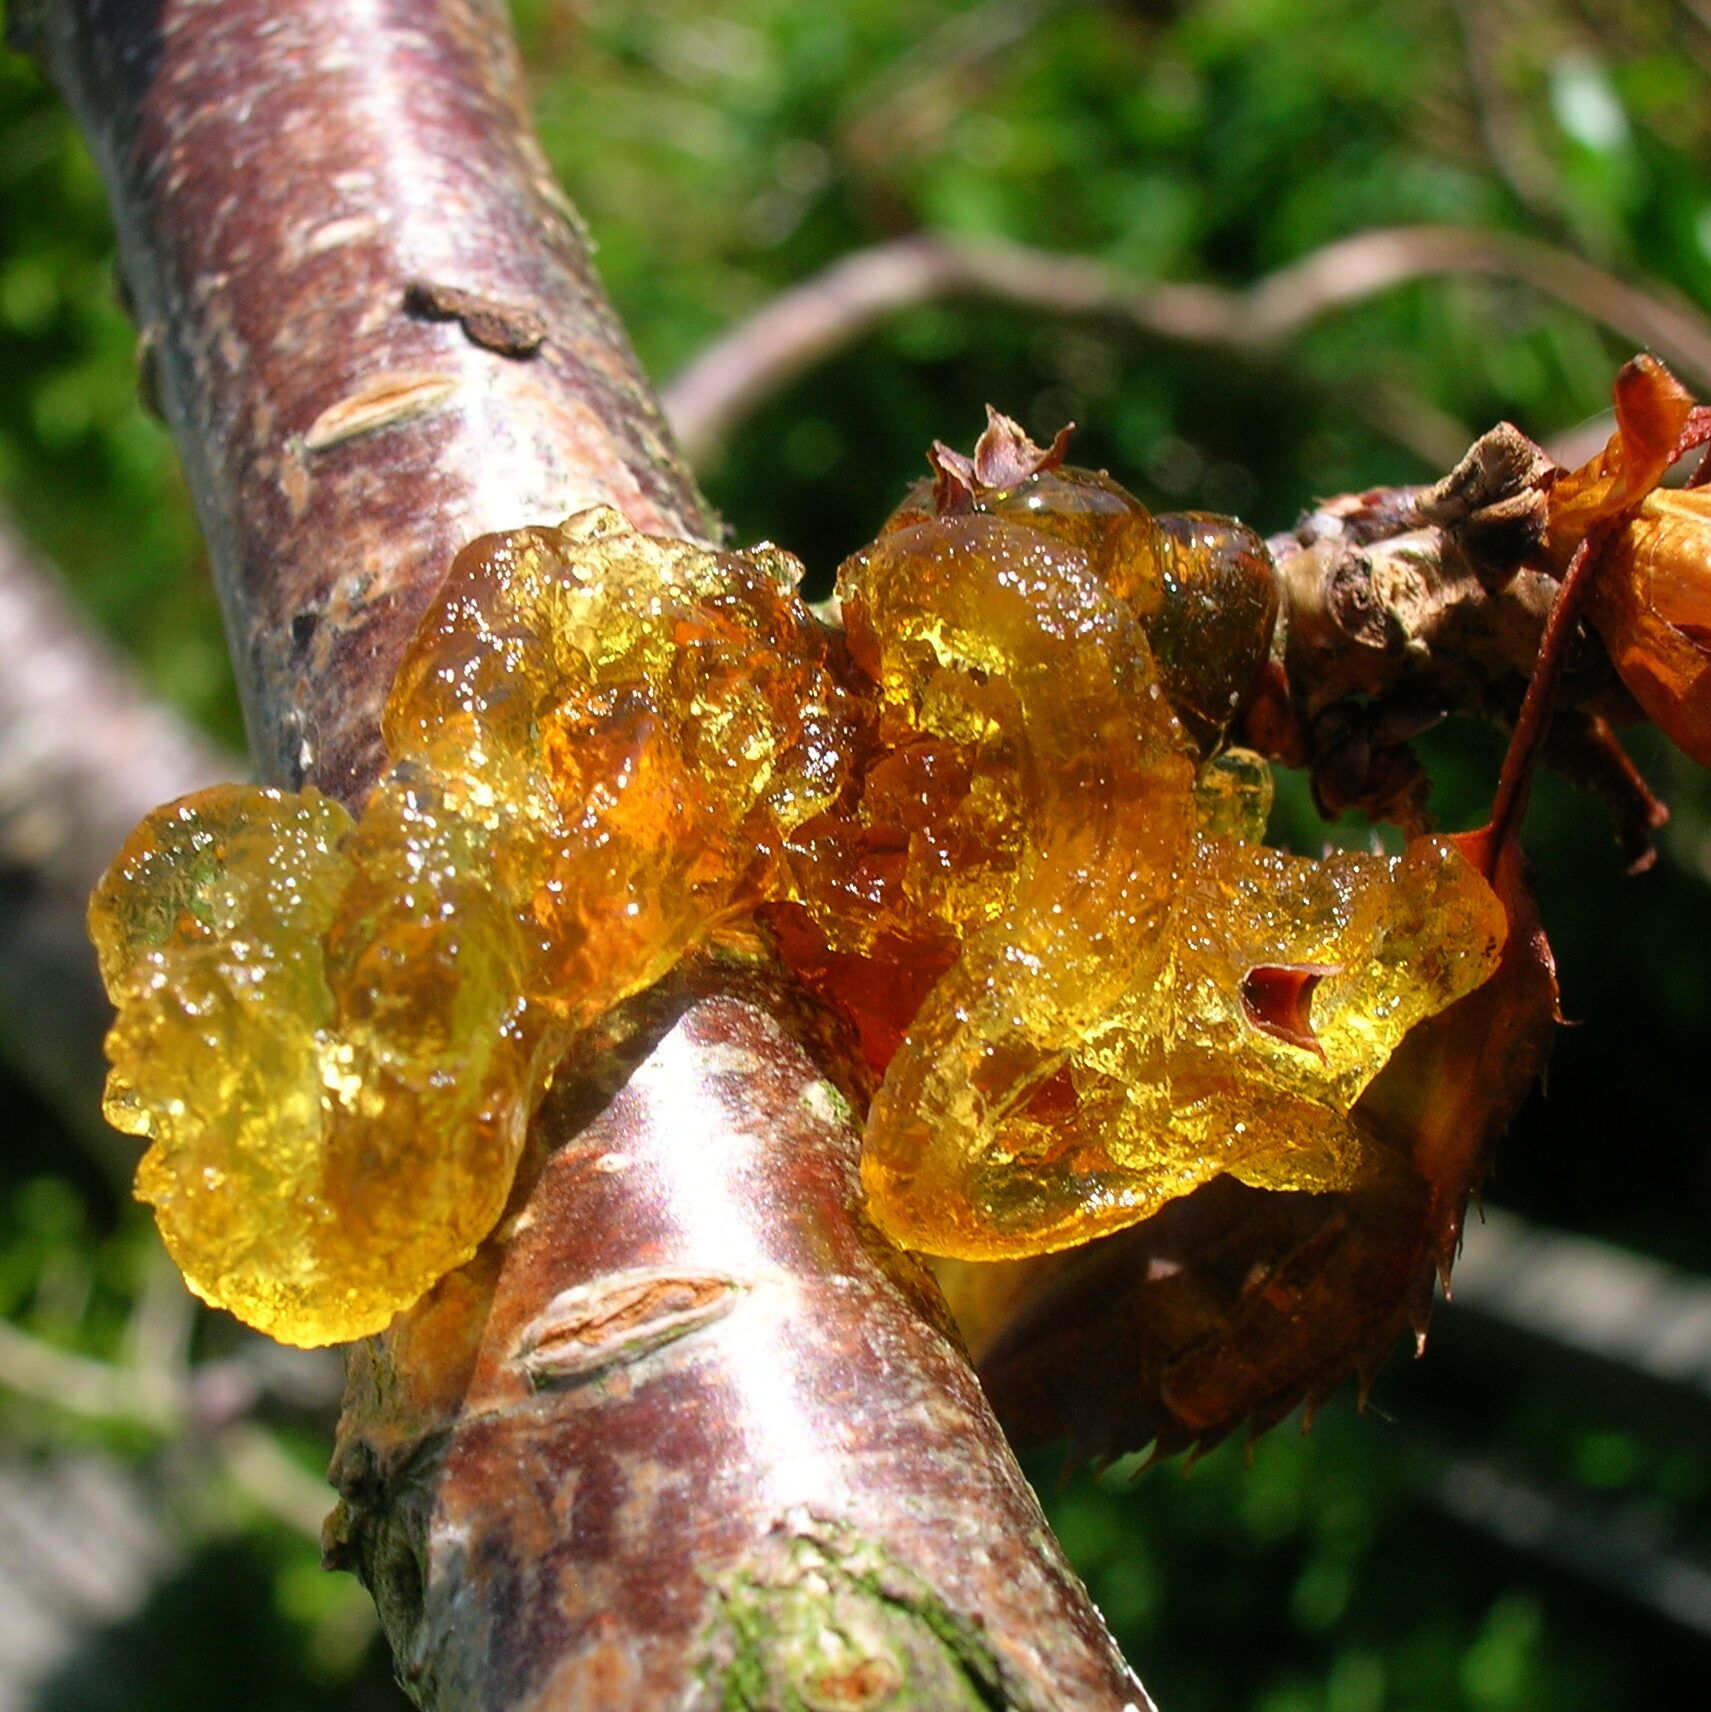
(87, 1539)
(904, 109)
(84, 753)
(686, 1428)
(1594, 1321)
(87, 752)
(153, 1386)
(811, 321)
(1511, 149)
(1622, 1317)
(1623, 1552)
(96, 1389)
(169, 1399)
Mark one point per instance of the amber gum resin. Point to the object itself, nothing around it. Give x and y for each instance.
(994, 825)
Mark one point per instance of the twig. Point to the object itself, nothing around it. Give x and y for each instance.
(281, 177)
(825, 314)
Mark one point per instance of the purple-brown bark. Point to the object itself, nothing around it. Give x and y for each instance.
(687, 1431)
(303, 193)
(696, 1378)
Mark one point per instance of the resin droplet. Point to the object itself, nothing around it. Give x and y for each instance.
(1041, 900)
(333, 1035)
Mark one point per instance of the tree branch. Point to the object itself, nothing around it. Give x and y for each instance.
(294, 190)
(686, 1400)
(831, 311)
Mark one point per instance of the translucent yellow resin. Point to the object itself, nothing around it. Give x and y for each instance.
(995, 826)
(1135, 996)
(333, 1035)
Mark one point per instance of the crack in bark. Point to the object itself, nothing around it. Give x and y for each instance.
(588, 1329)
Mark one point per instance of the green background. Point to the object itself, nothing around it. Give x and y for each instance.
(721, 154)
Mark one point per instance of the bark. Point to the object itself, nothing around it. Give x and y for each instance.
(701, 1414)
(304, 197)
(1401, 607)
(687, 1431)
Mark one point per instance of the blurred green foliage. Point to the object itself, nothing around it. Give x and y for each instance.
(723, 153)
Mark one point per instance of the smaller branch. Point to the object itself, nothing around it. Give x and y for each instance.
(87, 753)
(1403, 606)
(812, 321)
